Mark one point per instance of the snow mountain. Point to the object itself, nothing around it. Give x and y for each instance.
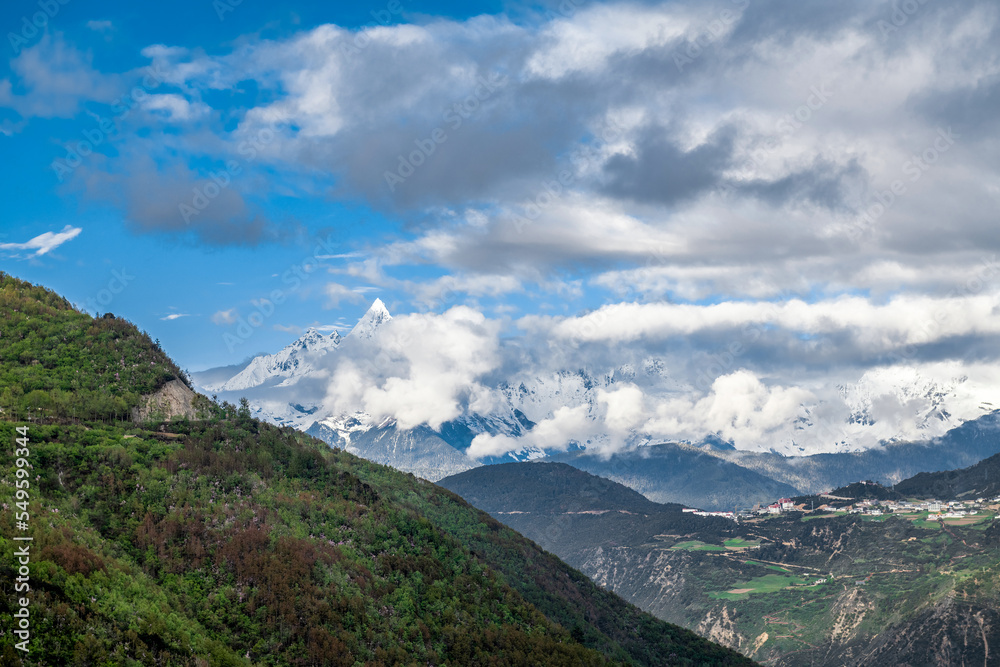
(292, 360)
(289, 388)
(370, 323)
(298, 358)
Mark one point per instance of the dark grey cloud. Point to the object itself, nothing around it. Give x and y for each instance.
(174, 200)
(971, 349)
(971, 109)
(475, 161)
(663, 172)
(823, 183)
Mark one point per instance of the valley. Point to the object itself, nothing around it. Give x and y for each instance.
(844, 585)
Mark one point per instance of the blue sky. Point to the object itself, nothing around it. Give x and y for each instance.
(168, 275)
(826, 172)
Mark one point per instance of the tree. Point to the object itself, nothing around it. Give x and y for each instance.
(244, 412)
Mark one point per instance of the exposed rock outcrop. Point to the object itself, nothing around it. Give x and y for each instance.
(172, 400)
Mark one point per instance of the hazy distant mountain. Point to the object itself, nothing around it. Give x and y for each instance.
(673, 473)
(296, 359)
(420, 451)
(293, 360)
(290, 388)
(981, 480)
(267, 378)
(548, 488)
(571, 512)
(719, 477)
(961, 446)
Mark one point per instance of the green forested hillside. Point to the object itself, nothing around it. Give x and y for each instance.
(563, 594)
(58, 363)
(224, 541)
(981, 479)
(553, 487)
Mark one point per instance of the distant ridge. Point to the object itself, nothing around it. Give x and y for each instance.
(981, 480)
(545, 487)
(298, 357)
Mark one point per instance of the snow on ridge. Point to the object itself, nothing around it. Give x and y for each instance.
(371, 321)
(294, 360)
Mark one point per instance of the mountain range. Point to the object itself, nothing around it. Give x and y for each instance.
(290, 388)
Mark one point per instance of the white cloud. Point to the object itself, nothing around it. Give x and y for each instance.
(585, 42)
(424, 371)
(739, 408)
(57, 78)
(336, 293)
(175, 107)
(620, 412)
(175, 316)
(45, 243)
(904, 320)
(554, 434)
(446, 289)
(225, 317)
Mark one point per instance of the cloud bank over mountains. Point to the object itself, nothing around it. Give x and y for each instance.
(631, 387)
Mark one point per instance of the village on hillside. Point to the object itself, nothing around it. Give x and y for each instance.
(957, 512)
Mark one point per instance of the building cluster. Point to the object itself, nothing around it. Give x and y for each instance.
(783, 505)
(724, 515)
(936, 509)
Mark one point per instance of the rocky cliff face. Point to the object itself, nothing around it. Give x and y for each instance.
(173, 399)
(951, 632)
(653, 580)
(721, 627)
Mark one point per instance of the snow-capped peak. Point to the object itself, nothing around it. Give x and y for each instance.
(290, 360)
(370, 322)
(313, 340)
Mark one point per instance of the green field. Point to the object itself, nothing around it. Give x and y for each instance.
(740, 543)
(696, 545)
(923, 522)
(768, 566)
(769, 583)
